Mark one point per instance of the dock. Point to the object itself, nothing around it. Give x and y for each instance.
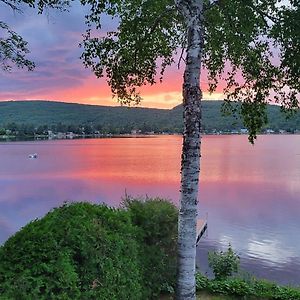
(201, 228)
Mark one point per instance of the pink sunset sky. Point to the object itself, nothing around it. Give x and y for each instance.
(60, 75)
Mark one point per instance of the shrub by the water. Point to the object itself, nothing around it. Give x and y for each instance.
(78, 251)
(86, 251)
(157, 221)
(247, 289)
(223, 263)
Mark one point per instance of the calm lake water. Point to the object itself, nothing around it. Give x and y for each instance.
(250, 193)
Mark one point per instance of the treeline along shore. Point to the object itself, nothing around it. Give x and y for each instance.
(50, 119)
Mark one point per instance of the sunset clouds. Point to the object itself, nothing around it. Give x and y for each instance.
(59, 75)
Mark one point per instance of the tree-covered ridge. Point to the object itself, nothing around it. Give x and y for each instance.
(39, 116)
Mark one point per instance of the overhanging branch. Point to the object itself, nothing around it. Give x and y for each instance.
(12, 6)
(159, 18)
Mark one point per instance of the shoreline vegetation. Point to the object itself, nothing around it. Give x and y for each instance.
(87, 251)
(72, 136)
(237, 287)
(50, 119)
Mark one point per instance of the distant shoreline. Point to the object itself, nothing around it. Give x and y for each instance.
(31, 118)
(6, 138)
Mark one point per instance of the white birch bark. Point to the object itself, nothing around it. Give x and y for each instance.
(190, 161)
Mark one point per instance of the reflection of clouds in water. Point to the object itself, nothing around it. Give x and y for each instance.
(293, 185)
(270, 239)
(248, 202)
(225, 241)
(272, 252)
(286, 273)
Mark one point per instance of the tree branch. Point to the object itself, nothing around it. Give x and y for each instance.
(12, 6)
(152, 29)
(262, 13)
(265, 15)
(181, 58)
(158, 19)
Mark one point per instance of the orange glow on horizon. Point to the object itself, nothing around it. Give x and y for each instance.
(84, 88)
(61, 76)
(93, 91)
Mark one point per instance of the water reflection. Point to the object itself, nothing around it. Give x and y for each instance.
(250, 193)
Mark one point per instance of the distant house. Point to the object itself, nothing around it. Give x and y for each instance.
(135, 131)
(270, 131)
(50, 134)
(244, 131)
(61, 135)
(234, 132)
(70, 135)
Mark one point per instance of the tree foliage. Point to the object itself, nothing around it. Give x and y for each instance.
(88, 251)
(13, 48)
(251, 46)
(248, 46)
(157, 220)
(147, 36)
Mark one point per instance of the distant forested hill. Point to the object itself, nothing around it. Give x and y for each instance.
(122, 119)
(49, 112)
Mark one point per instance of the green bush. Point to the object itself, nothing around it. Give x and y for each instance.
(85, 251)
(78, 251)
(248, 289)
(224, 264)
(157, 221)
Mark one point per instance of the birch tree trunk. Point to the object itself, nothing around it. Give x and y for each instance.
(190, 161)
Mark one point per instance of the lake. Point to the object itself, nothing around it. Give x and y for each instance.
(251, 194)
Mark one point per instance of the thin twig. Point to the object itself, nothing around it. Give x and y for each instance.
(12, 6)
(264, 14)
(181, 58)
(158, 19)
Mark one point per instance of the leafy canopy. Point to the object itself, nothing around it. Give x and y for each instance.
(13, 48)
(251, 46)
(147, 35)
